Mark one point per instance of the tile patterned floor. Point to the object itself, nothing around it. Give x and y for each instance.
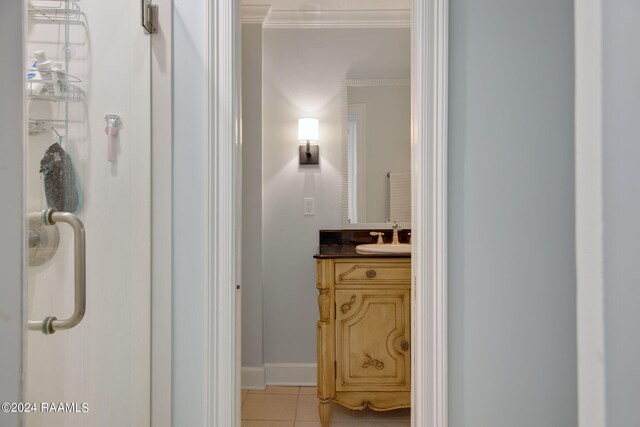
(298, 407)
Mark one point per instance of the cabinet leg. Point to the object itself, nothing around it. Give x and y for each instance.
(324, 408)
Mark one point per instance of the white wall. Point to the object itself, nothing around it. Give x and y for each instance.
(621, 209)
(303, 70)
(191, 68)
(512, 327)
(11, 214)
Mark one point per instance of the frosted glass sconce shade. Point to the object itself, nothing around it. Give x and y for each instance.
(308, 132)
(307, 129)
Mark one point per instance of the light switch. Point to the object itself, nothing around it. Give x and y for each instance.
(309, 206)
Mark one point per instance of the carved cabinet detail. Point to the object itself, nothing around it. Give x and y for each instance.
(368, 341)
(364, 335)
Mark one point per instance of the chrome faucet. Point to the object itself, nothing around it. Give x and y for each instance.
(379, 234)
(396, 227)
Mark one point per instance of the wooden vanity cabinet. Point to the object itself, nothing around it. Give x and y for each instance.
(364, 333)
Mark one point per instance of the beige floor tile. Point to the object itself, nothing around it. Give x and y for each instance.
(308, 410)
(381, 423)
(317, 424)
(271, 389)
(269, 407)
(309, 390)
(253, 423)
(340, 413)
(395, 415)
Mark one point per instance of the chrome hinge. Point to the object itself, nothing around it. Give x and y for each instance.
(149, 17)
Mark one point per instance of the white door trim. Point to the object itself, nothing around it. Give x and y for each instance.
(429, 55)
(221, 367)
(589, 213)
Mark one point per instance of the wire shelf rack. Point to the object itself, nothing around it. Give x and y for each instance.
(45, 89)
(54, 86)
(58, 11)
(37, 126)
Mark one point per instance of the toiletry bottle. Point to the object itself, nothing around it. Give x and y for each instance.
(59, 77)
(35, 87)
(43, 64)
(40, 55)
(44, 67)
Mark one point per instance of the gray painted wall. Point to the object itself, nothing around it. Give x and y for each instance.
(512, 354)
(621, 181)
(11, 214)
(303, 70)
(252, 195)
(190, 79)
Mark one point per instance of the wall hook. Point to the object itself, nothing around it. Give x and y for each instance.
(112, 130)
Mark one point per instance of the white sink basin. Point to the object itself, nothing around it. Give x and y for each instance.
(387, 248)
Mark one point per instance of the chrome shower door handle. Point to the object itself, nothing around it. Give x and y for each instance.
(149, 17)
(51, 324)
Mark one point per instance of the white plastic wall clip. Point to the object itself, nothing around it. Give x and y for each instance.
(111, 131)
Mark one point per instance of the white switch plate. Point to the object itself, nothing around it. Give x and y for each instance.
(309, 206)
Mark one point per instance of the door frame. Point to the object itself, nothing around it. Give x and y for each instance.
(429, 107)
(223, 198)
(589, 222)
(429, 44)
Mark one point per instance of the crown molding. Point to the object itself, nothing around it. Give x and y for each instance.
(398, 18)
(254, 13)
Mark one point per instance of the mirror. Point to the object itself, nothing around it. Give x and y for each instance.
(376, 152)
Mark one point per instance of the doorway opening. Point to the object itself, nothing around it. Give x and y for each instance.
(428, 74)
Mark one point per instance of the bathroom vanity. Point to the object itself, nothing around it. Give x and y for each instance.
(364, 331)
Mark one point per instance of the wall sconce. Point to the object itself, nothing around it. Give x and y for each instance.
(308, 132)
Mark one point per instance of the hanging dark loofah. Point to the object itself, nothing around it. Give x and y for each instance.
(59, 179)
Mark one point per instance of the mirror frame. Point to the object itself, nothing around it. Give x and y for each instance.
(344, 172)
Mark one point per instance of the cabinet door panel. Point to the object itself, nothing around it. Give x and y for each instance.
(372, 340)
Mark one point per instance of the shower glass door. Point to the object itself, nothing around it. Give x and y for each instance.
(87, 64)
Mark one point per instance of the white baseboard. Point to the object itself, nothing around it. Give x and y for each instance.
(284, 374)
(301, 374)
(253, 378)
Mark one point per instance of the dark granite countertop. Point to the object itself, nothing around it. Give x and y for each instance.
(342, 243)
